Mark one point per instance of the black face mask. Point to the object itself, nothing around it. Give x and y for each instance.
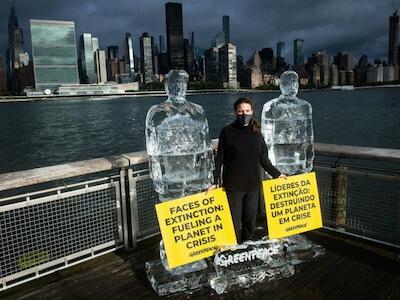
(243, 120)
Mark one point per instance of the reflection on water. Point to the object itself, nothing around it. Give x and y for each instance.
(46, 133)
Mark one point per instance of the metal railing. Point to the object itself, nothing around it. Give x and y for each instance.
(58, 216)
(47, 230)
(359, 191)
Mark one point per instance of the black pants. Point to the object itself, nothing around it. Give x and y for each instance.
(243, 207)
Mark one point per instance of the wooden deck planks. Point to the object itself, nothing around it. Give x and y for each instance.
(347, 271)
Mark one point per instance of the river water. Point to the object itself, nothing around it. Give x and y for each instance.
(43, 133)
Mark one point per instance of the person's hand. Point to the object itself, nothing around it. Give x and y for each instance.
(283, 176)
(212, 187)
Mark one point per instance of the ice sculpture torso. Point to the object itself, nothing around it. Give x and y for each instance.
(286, 124)
(178, 143)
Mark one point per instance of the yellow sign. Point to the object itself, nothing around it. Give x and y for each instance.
(194, 227)
(292, 205)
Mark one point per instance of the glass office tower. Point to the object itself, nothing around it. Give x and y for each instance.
(147, 55)
(130, 60)
(298, 52)
(87, 47)
(280, 49)
(175, 43)
(54, 53)
(225, 27)
(393, 39)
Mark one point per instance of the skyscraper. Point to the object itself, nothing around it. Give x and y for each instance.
(268, 62)
(393, 39)
(129, 56)
(266, 55)
(255, 60)
(298, 52)
(322, 58)
(25, 73)
(95, 44)
(86, 58)
(156, 54)
(280, 49)
(121, 67)
(225, 27)
(100, 63)
(333, 75)
(112, 52)
(162, 63)
(363, 62)
(175, 43)
(219, 40)
(112, 70)
(211, 67)
(228, 65)
(189, 59)
(193, 46)
(161, 44)
(348, 61)
(3, 77)
(112, 62)
(147, 56)
(15, 42)
(343, 60)
(197, 70)
(14, 52)
(323, 63)
(54, 53)
(280, 58)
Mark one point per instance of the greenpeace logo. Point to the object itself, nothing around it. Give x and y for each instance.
(296, 227)
(231, 259)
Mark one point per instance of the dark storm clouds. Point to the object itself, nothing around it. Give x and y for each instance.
(357, 26)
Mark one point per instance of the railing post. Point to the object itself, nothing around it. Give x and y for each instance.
(124, 201)
(339, 203)
(133, 208)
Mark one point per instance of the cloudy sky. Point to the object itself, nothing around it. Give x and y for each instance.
(357, 26)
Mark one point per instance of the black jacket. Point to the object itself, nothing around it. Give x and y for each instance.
(241, 152)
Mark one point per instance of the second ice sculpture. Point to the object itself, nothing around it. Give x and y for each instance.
(286, 124)
(178, 142)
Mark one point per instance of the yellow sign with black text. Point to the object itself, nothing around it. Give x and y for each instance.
(292, 205)
(194, 227)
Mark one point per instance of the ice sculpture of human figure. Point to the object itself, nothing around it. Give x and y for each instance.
(178, 142)
(286, 124)
(179, 149)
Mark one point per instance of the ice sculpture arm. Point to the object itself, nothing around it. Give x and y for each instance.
(265, 162)
(219, 159)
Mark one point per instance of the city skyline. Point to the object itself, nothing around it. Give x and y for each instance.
(332, 25)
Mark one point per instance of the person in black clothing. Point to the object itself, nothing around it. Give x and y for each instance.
(241, 152)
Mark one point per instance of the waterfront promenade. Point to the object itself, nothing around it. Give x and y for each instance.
(84, 230)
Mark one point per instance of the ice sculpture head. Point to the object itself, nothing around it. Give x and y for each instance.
(289, 84)
(176, 85)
